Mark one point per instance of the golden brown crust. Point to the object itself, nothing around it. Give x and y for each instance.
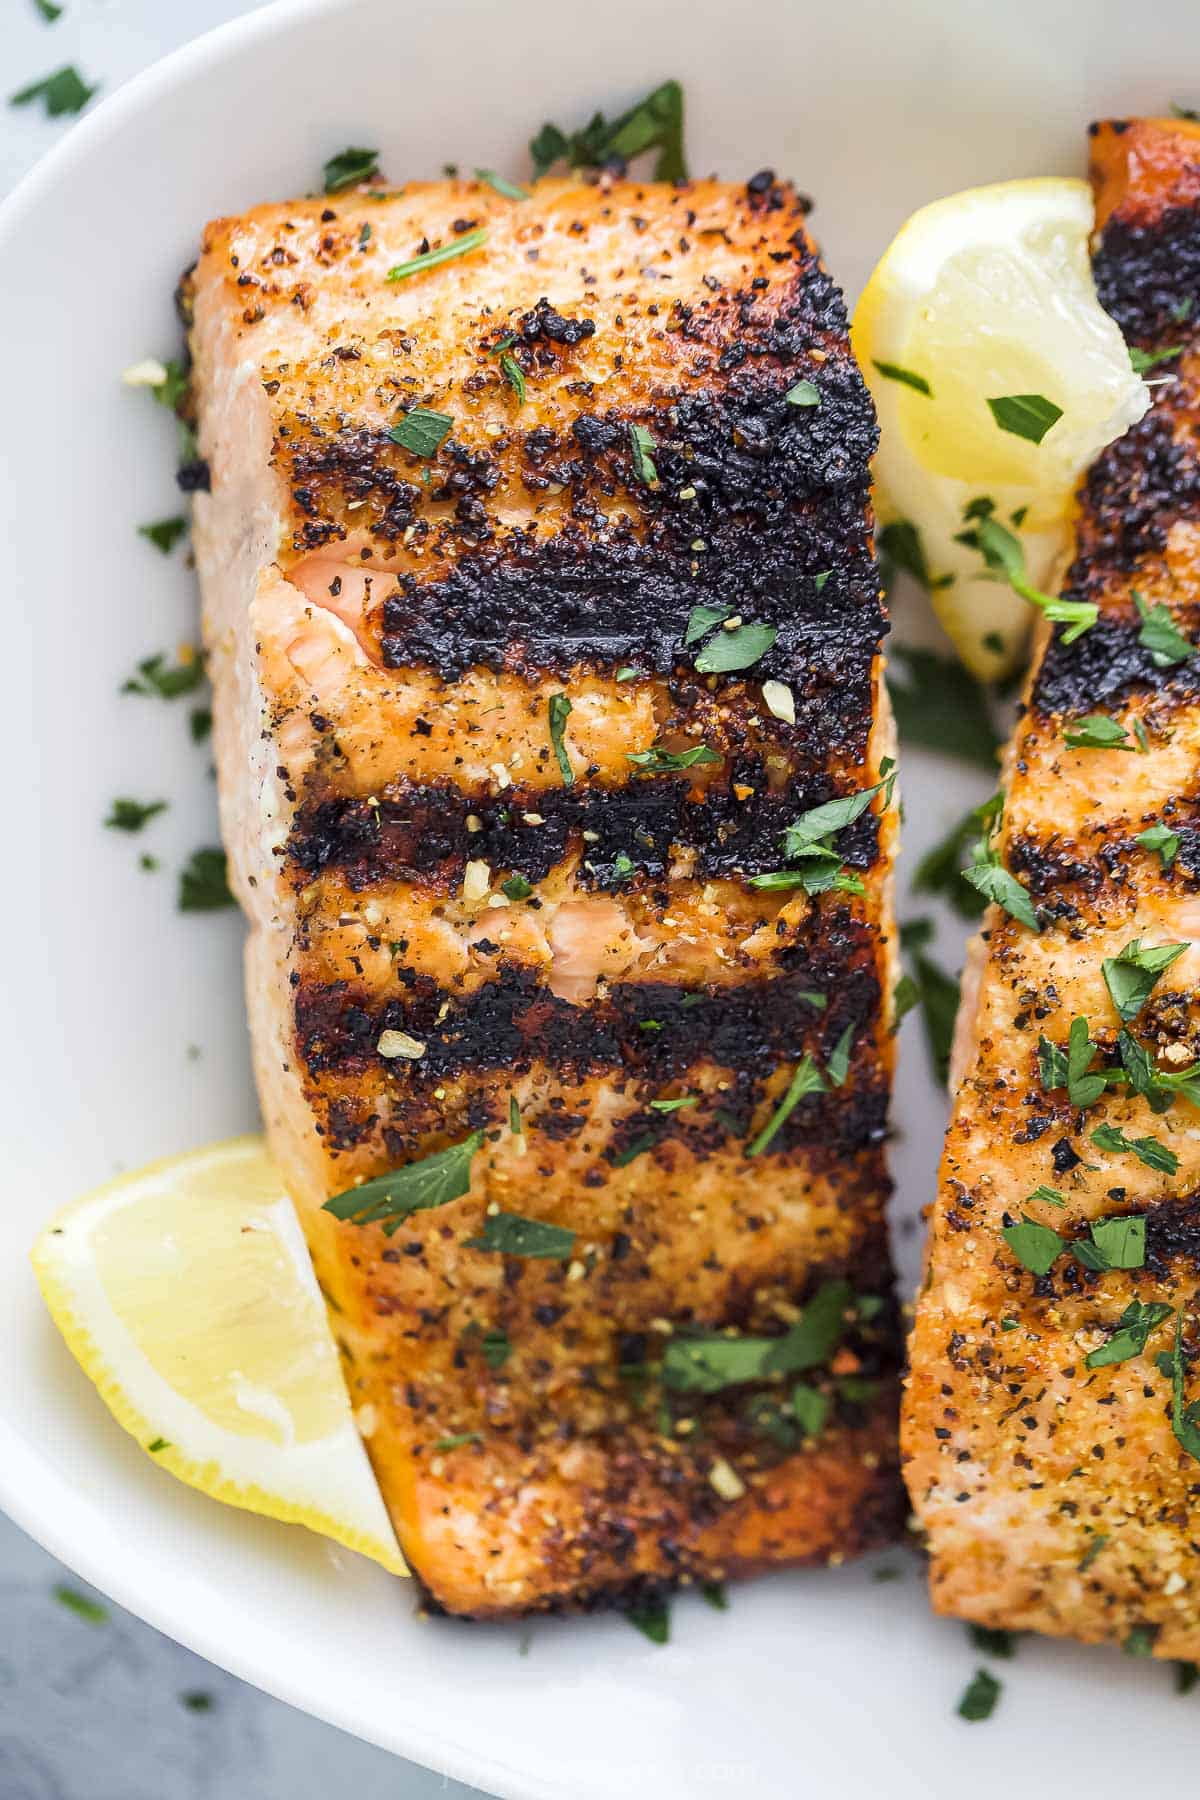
(1059, 1496)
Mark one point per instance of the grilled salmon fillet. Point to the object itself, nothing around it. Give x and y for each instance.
(540, 602)
(1049, 1447)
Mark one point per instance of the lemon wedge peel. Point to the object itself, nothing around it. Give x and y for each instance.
(985, 295)
(296, 1477)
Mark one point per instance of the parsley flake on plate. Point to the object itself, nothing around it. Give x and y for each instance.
(980, 1697)
(510, 190)
(164, 534)
(348, 168)
(655, 123)
(558, 710)
(133, 815)
(1097, 732)
(63, 92)
(641, 447)
(204, 883)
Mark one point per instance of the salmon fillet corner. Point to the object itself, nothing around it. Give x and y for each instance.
(1050, 1449)
(497, 559)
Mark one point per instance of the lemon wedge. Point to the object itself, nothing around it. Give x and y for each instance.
(186, 1294)
(998, 377)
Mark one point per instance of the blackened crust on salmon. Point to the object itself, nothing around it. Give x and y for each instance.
(1148, 273)
(1135, 491)
(421, 834)
(779, 498)
(1105, 666)
(654, 1032)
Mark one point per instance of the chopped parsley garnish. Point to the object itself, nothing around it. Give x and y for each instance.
(632, 1151)
(805, 393)
(155, 680)
(132, 815)
(939, 706)
(940, 870)
(157, 1445)
(164, 534)
(1140, 1641)
(1144, 360)
(657, 761)
(1129, 1339)
(702, 620)
(1059, 1068)
(422, 431)
(713, 1594)
(739, 648)
(204, 882)
(670, 1106)
(430, 259)
(200, 724)
(821, 822)
(893, 372)
(514, 1116)
(63, 92)
(348, 168)
(1184, 1422)
(899, 546)
(495, 1347)
(558, 711)
(1097, 1544)
(838, 1065)
(988, 876)
(979, 1697)
(1161, 841)
(390, 1199)
(48, 10)
(514, 374)
(1148, 1150)
(1097, 732)
(516, 888)
(709, 1362)
(82, 1605)
(457, 1439)
(1036, 1247)
(508, 1234)
(510, 190)
(641, 445)
(810, 1409)
(905, 995)
(1118, 1243)
(652, 1617)
(1003, 554)
(1132, 974)
(938, 994)
(655, 123)
(1027, 416)
(806, 1080)
(1160, 635)
(1186, 1676)
(1047, 1196)
(989, 1640)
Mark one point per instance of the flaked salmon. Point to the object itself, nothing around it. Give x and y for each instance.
(544, 623)
(1052, 1452)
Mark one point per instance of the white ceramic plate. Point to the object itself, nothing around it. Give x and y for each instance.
(812, 1683)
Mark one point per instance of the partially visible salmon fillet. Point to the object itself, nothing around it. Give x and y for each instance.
(472, 911)
(1060, 1495)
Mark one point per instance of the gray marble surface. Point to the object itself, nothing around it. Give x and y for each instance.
(103, 1707)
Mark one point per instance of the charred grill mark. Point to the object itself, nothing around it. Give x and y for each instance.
(779, 497)
(1147, 269)
(1049, 866)
(420, 834)
(1135, 491)
(1105, 666)
(1173, 1236)
(655, 1032)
